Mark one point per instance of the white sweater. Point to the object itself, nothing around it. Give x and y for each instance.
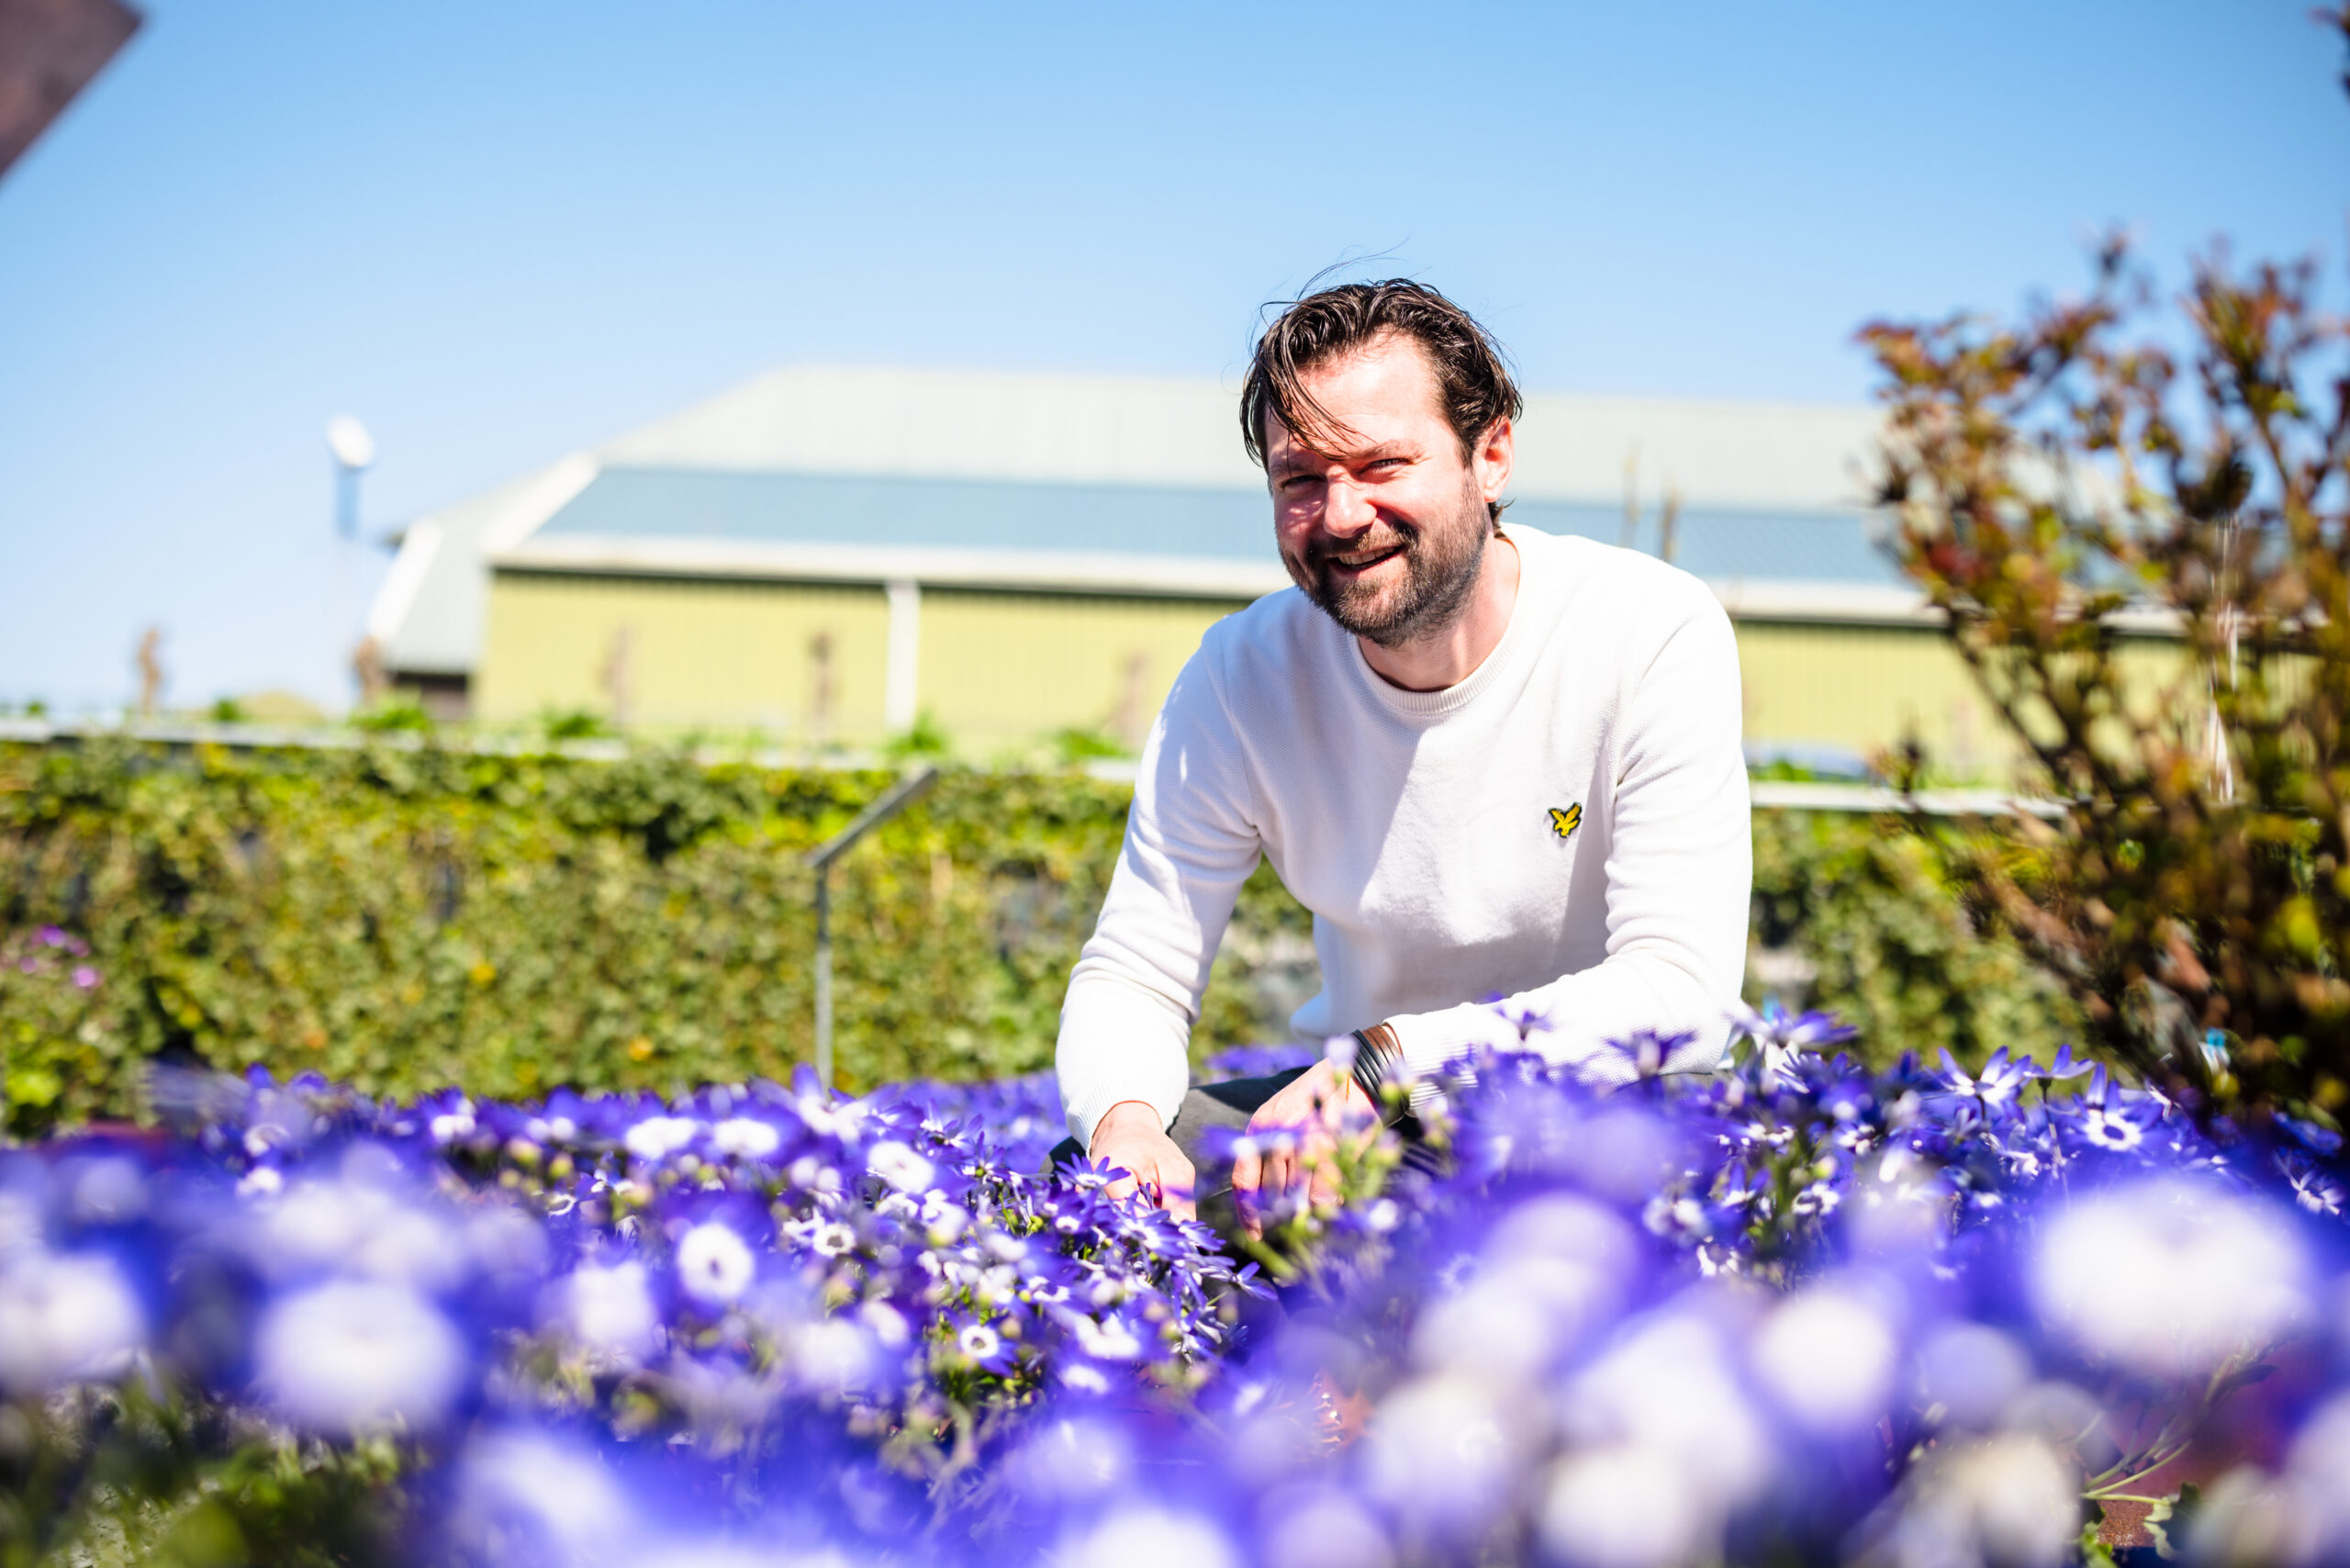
(1424, 830)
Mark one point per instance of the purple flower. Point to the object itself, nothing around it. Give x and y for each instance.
(2313, 1188)
(2114, 1130)
(1647, 1052)
(980, 1345)
(657, 1138)
(715, 1265)
(757, 1322)
(1995, 1086)
(63, 1318)
(1775, 1028)
(353, 1355)
(2317, 1140)
(745, 1138)
(609, 1309)
(2106, 1116)
(2172, 1277)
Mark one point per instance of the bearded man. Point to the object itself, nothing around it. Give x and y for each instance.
(1492, 762)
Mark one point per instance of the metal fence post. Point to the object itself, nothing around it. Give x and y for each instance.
(824, 974)
(898, 796)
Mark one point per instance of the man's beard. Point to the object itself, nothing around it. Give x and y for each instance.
(1441, 568)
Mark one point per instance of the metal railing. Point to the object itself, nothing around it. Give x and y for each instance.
(1769, 795)
(898, 796)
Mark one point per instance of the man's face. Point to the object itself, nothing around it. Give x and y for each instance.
(1387, 535)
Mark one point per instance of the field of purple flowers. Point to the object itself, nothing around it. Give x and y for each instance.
(1792, 1313)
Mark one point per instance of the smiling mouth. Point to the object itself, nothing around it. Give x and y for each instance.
(1360, 561)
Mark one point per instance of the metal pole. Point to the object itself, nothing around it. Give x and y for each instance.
(346, 500)
(898, 796)
(341, 644)
(824, 977)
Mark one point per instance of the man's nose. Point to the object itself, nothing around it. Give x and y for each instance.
(1346, 509)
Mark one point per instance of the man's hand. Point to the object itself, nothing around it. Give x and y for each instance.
(1131, 1137)
(1321, 1105)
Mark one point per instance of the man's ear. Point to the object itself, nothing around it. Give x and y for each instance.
(1491, 460)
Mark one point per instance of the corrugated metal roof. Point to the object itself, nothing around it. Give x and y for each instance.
(1729, 545)
(844, 508)
(1104, 430)
(967, 424)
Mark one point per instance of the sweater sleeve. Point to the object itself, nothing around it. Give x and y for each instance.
(1190, 841)
(1679, 880)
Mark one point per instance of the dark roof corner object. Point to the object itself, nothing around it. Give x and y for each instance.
(49, 51)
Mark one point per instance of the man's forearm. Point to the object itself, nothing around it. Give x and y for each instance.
(1120, 1041)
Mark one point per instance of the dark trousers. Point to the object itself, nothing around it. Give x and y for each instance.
(1228, 1105)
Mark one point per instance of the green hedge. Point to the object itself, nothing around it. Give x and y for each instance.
(403, 919)
(1866, 905)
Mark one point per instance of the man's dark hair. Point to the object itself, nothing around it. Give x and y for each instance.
(1470, 376)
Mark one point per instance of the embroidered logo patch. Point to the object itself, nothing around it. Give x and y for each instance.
(1564, 822)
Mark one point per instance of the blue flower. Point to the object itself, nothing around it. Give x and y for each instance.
(350, 1356)
(760, 1321)
(1647, 1052)
(1996, 1086)
(65, 1318)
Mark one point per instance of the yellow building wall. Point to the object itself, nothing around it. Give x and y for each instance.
(1001, 669)
(702, 654)
(1863, 690)
(996, 670)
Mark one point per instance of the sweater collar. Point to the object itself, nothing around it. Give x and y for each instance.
(1427, 705)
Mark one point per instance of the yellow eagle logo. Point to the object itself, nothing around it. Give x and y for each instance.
(1564, 822)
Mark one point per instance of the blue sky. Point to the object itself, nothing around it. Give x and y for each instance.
(497, 232)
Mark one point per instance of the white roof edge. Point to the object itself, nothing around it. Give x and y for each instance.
(539, 497)
(1891, 604)
(1177, 577)
(426, 616)
(1888, 604)
(393, 599)
(1555, 494)
(1047, 426)
(1167, 576)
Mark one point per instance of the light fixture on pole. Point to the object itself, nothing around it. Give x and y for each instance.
(354, 453)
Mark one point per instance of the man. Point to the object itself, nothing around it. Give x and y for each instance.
(1492, 763)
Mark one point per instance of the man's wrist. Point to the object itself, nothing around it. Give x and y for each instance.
(1110, 1116)
(1379, 1061)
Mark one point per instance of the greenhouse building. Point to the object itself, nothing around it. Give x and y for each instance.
(826, 555)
